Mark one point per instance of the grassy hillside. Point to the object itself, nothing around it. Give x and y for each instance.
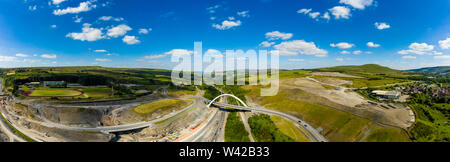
(366, 70)
(438, 69)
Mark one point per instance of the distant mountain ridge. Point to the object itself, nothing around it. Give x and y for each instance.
(437, 69)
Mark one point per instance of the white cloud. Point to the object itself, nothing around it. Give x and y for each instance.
(77, 19)
(212, 18)
(339, 59)
(227, 25)
(278, 35)
(102, 60)
(357, 52)
(368, 52)
(53, 26)
(340, 12)
(179, 52)
(243, 13)
(57, 2)
(107, 18)
(130, 40)
(295, 47)
(359, 4)
(155, 56)
(21, 55)
(314, 14)
(32, 8)
(296, 60)
(326, 15)
(435, 57)
(304, 11)
(212, 9)
(409, 57)
(102, 51)
(84, 7)
(48, 56)
(144, 31)
(382, 25)
(266, 44)
(119, 30)
(371, 44)
(342, 45)
(445, 44)
(87, 34)
(418, 48)
(7, 58)
(345, 52)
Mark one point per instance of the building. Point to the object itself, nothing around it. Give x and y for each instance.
(33, 83)
(53, 83)
(387, 94)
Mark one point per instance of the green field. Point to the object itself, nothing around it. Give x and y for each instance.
(264, 129)
(55, 93)
(288, 128)
(337, 125)
(97, 92)
(235, 130)
(161, 105)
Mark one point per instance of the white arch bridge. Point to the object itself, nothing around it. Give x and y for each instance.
(313, 132)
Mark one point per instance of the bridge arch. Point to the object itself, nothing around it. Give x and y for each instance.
(242, 102)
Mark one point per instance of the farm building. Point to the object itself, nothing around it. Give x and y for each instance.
(53, 83)
(387, 94)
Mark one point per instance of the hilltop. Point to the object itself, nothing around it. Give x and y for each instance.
(437, 69)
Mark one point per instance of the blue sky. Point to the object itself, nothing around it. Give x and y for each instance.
(401, 34)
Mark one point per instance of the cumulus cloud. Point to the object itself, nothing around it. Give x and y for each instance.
(130, 40)
(359, 4)
(296, 60)
(102, 60)
(77, 19)
(408, 57)
(266, 44)
(342, 45)
(119, 30)
(326, 15)
(314, 14)
(442, 57)
(445, 44)
(21, 55)
(304, 11)
(48, 56)
(7, 58)
(340, 12)
(345, 52)
(32, 8)
(357, 52)
(291, 48)
(212, 9)
(227, 24)
(57, 2)
(101, 51)
(275, 35)
(417, 48)
(53, 26)
(339, 59)
(382, 25)
(87, 34)
(83, 7)
(144, 31)
(243, 14)
(178, 52)
(373, 45)
(108, 18)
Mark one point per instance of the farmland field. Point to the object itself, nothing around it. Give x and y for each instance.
(162, 105)
(55, 93)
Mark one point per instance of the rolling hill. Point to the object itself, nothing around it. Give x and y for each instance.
(437, 69)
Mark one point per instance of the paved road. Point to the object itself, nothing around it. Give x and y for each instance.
(313, 132)
(110, 129)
